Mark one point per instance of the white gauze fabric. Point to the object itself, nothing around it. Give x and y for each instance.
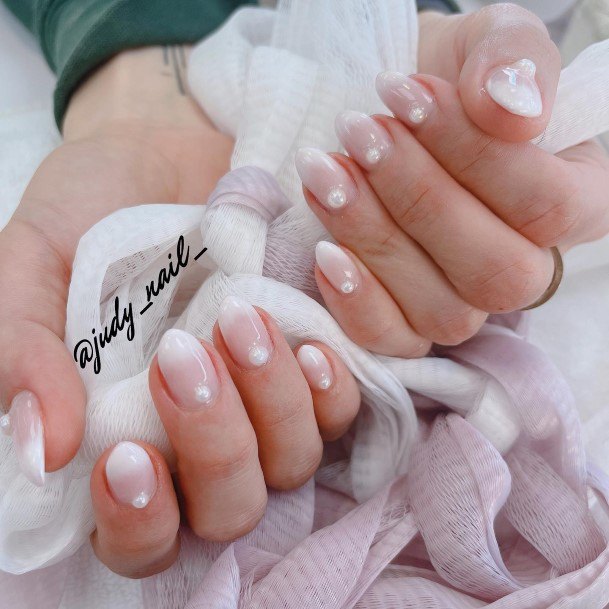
(275, 80)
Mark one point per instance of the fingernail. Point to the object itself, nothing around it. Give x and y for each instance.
(325, 178)
(28, 436)
(408, 99)
(337, 267)
(363, 138)
(514, 88)
(316, 367)
(130, 474)
(187, 369)
(245, 334)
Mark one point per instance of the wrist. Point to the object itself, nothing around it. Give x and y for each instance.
(143, 91)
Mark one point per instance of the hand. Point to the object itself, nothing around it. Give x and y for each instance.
(441, 223)
(467, 49)
(240, 414)
(118, 151)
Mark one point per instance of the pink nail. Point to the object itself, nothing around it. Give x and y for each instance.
(325, 178)
(363, 138)
(28, 436)
(245, 334)
(316, 367)
(187, 369)
(408, 99)
(130, 474)
(337, 267)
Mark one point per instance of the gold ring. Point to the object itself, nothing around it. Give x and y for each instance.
(556, 279)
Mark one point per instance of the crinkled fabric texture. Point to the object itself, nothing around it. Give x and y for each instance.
(463, 483)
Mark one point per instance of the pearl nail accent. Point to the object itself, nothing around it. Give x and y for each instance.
(328, 180)
(367, 141)
(407, 98)
(315, 367)
(28, 436)
(337, 197)
(187, 369)
(337, 267)
(514, 88)
(244, 332)
(131, 475)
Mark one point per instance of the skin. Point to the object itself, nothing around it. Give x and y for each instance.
(462, 228)
(120, 150)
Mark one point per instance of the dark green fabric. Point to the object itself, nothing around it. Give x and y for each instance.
(444, 6)
(76, 36)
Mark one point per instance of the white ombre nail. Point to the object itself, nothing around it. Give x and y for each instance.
(363, 138)
(315, 367)
(337, 267)
(514, 88)
(325, 178)
(28, 436)
(407, 98)
(130, 475)
(187, 370)
(244, 332)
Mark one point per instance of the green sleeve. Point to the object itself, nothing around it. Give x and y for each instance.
(76, 36)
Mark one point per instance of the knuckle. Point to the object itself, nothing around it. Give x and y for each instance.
(288, 415)
(485, 151)
(551, 222)
(233, 526)
(420, 205)
(222, 465)
(456, 327)
(288, 474)
(512, 286)
(386, 243)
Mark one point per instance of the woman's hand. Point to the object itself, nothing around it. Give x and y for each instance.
(241, 414)
(440, 222)
(131, 137)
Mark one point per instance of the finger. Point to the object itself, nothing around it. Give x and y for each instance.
(274, 392)
(217, 455)
(336, 397)
(360, 223)
(348, 288)
(136, 511)
(556, 203)
(510, 72)
(39, 383)
(492, 266)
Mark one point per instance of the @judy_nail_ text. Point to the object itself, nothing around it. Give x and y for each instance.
(123, 319)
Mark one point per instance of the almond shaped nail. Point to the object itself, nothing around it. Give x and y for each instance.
(187, 370)
(244, 332)
(337, 267)
(315, 367)
(364, 139)
(328, 180)
(514, 88)
(408, 99)
(28, 436)
(131, 475)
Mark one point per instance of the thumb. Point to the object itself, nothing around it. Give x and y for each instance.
(39, 381)
(510, 72)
